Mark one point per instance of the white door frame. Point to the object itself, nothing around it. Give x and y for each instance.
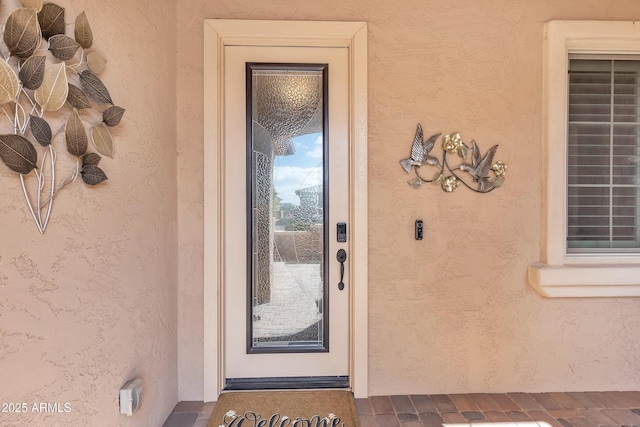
(219, 33)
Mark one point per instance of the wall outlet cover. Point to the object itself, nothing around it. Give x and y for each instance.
(130, 397)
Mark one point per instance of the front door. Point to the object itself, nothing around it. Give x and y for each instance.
(286, 183)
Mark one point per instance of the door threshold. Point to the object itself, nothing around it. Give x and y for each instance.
(288, 383)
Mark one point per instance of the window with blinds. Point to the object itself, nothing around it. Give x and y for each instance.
(603, 195)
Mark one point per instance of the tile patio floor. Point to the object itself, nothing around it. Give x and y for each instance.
(580, 409)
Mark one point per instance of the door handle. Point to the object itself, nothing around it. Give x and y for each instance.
(342, 257)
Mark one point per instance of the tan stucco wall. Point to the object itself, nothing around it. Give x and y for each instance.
(92, 303)
(452, 313)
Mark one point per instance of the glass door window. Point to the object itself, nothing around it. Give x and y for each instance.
(287, 204)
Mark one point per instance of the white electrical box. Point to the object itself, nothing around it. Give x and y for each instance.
(130, 396)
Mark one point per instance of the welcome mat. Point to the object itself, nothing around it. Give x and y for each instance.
(321, 408)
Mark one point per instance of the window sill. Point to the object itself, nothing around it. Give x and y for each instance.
(578, 281)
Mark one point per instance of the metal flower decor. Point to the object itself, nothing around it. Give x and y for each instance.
(483, 171)
(36, 82)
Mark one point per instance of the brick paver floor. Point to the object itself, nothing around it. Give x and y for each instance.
(575, 409)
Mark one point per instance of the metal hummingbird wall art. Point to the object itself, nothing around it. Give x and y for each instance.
(48, 79)
(485, 174)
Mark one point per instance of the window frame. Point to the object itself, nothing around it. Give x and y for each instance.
(560, 274)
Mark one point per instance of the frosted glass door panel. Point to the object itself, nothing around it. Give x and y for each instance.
(287, 204)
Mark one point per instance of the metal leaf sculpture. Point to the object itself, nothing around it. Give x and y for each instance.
(91, 159)
(63, 47)
(94, 88)
(112, 115)
(76, 135)
(22, 33)
(52, 94)
(82, 31)
(40, 130)
(93, 175)
(18, 153)
(51, 19)
(96, 62)
(9, 85)
(480, 169)
(77, 98)
(67, 75)
(32, 4)
(102, 140)
(32, 72)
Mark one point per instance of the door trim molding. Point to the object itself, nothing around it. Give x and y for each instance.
(219, 33)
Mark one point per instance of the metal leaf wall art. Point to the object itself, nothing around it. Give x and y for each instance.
(482, 174)
(49, 80)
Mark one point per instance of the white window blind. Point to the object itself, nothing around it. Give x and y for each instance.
(603, 194)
